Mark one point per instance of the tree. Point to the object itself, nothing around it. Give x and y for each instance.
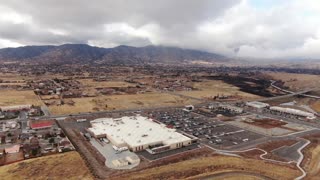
(34, 152)
(51, 140)
(62, 135)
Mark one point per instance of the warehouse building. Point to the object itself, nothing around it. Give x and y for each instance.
(138, 133)
(256, 104)
(293, 112)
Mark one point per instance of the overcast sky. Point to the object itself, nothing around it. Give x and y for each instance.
(244, 28)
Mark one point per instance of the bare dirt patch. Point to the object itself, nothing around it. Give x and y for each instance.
(267, 123)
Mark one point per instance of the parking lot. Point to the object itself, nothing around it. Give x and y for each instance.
(289, 153)
(209, 131)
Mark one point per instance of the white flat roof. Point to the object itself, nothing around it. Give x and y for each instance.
(257, 104)
(136, 131)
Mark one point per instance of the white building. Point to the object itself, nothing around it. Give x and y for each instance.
(256, 104)
(138, 133)
(293, 112)
(120, 162)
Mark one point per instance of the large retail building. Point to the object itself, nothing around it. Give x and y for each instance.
(138, 133)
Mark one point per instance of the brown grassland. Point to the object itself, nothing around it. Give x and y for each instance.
(20, 78)
(95, 84)
(312, 165)
(203, 167)
(121, 102)
(60, 166)
(298, 81)
(316, 106)
(209, 88)
(14, 97)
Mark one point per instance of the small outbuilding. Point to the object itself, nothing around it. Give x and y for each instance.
(120, 162)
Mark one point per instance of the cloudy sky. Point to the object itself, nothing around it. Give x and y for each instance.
(243, 28)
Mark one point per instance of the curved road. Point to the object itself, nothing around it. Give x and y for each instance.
(298, 165)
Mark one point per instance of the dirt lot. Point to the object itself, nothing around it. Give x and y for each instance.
(297, 81)
(267, 123)
(204, 166)
(13, 97)
(121, 102)
(60, 166)
(210, 88)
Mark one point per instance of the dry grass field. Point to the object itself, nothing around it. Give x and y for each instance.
(11, 77)
(13, 84)
(205, 167)
(313, 165)
(316, 106)
(13, 97)
(60, 166)
(210, 88)
(228, 175)
(96, 84)
(121, 102)
(297, 81)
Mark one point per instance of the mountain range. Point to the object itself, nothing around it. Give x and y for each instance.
(83, 53)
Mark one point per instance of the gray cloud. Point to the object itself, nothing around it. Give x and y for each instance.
(231, 27)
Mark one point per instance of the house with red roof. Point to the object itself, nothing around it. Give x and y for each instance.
(39, 124)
